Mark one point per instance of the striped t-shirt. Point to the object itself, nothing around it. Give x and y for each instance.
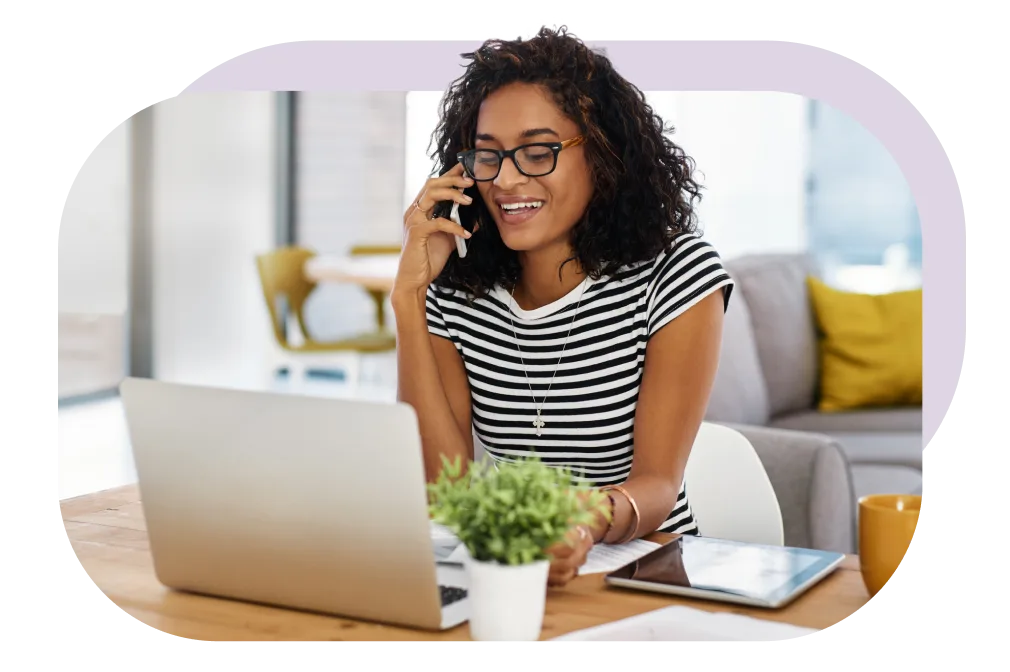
(589, 412)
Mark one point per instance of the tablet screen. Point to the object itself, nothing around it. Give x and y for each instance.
(765, 573)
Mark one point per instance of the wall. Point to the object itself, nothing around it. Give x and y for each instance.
(92, 245)
(213, 196)
(751, 155)
(92, 275)
(421, 119)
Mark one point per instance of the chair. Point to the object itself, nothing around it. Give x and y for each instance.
(378, 296)
(729, 489)
(285, 290)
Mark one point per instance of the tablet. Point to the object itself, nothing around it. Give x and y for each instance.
(728, 571)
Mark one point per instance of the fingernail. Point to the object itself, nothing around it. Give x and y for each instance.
(468, 234)
(468, 199)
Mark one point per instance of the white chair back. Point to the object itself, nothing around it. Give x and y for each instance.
(729, 490)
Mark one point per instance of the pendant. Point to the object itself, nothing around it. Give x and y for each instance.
(539, 423)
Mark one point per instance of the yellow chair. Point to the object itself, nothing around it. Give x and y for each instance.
(378, 296)
(283, 278)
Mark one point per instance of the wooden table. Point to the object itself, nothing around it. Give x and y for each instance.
(108, 534)
(374, 272)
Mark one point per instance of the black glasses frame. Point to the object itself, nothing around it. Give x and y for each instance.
(503, 154)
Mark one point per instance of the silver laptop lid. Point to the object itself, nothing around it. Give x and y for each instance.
(297, 501)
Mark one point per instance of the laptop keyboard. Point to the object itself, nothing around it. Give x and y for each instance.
(451, 594)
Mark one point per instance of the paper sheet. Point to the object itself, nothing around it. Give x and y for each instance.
(458, 556)
(685, 624)
(444, 543)
(601, 558)
(441, 533)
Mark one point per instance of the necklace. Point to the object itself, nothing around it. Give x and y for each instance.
(538, 422)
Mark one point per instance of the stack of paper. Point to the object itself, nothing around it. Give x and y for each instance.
(684, 624)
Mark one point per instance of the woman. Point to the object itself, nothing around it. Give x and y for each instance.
(584, 323)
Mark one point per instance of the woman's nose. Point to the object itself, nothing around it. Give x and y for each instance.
(509, 175)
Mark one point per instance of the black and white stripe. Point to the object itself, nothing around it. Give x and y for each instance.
(590, 409)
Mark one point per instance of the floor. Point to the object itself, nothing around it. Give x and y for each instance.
(94, 449)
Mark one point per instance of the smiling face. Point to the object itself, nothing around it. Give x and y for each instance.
(532, 213)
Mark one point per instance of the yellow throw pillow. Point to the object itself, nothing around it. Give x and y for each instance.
(870, 347)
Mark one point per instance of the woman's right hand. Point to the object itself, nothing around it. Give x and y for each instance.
(427, 243)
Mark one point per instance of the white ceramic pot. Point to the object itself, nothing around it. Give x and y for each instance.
(506, 601)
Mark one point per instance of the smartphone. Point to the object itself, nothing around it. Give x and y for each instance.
(460, 241)
(453, 215)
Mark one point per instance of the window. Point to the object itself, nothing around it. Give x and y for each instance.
(749, 149)
(861, 218)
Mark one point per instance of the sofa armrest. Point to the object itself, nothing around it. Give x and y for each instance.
(811, 478)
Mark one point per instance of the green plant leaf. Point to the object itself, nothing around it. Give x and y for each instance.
(511, 512)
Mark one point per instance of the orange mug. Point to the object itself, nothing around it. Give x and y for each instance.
(886, 526)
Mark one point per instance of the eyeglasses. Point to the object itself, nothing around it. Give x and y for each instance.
(533, 160)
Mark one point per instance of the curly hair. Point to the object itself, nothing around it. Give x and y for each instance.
(644, 192)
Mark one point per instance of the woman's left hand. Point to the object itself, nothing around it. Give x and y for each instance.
(568, 556)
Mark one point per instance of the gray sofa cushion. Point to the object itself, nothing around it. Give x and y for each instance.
(738, 393)
(775, 289)
(894, 448)
(868, 437)
(866, 421)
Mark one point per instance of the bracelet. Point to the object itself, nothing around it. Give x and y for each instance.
(634, 508)
(610, 519)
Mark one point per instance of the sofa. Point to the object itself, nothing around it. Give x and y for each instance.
(768, 377)
(812, 482)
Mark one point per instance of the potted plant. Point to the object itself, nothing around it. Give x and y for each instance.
(507, 516)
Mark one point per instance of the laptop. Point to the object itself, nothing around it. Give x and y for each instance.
(755, 575)
(294, 501)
